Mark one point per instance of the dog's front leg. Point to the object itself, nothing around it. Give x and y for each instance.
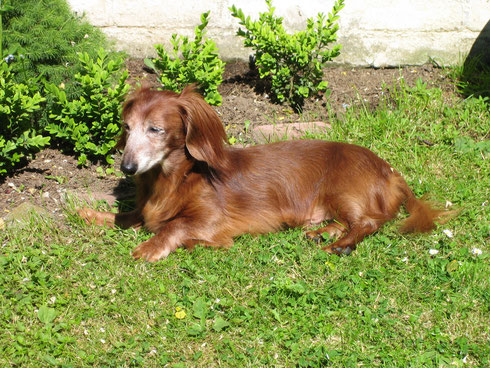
(124, 220)
(168, 239)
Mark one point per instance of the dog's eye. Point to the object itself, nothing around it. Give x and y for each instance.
(126, 126)
(154, 129)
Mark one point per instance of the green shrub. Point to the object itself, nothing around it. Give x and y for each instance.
(49, 36)
(4, 7)
(89, 123)
(17, 103)
(292, 63)
(190, 62)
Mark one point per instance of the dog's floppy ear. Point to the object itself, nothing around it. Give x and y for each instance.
(205, 135)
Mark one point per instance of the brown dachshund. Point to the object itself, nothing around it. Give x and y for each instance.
(192, 188)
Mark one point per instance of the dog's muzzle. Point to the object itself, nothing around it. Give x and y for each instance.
(129, 168)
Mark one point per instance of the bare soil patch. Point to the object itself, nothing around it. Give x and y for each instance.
(51, 174)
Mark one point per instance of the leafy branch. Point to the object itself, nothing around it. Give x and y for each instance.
(292, 63)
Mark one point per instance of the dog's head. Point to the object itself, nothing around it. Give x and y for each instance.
(157, 123)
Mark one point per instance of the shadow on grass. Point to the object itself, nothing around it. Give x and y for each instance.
(475, 76)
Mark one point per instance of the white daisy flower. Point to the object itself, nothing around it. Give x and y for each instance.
(476, 251)
(448, 233)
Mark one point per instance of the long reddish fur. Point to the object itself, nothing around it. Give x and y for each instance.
(208, 192)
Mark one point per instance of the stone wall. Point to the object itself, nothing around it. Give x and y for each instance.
(373, 33)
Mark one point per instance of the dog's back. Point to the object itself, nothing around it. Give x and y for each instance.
(296, 183)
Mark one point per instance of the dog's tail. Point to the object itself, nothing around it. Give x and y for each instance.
(423, 214)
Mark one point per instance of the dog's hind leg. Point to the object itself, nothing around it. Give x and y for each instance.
(334, 230)
(355, 234)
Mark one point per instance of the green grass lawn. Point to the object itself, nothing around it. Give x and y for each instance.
(72, 296)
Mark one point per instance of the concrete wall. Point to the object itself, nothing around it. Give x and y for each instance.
(373, 33)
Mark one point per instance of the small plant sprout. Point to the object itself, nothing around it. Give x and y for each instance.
(246, 125)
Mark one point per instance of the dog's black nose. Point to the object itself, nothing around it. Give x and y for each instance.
(129, 168)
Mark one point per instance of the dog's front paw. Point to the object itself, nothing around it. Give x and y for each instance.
(91, 216)
(88, 215)
(150, 251)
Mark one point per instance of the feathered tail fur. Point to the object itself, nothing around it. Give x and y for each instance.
(422, 215)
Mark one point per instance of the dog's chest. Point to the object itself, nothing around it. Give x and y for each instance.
(157, 210)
